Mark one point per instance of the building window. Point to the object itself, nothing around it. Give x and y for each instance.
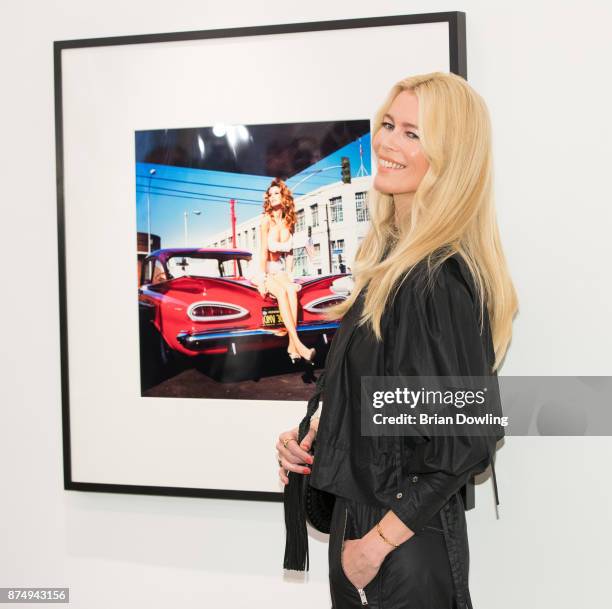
(338, 260)
(300, 261)
(300, 222)
(337, 244)
(335, 205)
(314, 215)
(254, 237)
(361, 206)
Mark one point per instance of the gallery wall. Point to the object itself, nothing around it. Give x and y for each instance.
(542, 68)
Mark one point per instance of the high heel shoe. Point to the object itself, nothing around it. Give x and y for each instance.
(294, 357)
(311, 356)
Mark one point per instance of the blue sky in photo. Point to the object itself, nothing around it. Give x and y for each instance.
(173, 191)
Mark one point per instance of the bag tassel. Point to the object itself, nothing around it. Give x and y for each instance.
(296, 541)
(496, 492)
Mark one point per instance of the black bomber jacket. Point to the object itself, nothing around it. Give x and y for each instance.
(434, 333)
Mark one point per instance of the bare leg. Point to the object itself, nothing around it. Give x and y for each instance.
(284, 279)
(284, 306)
(287, 282)
(293, 307)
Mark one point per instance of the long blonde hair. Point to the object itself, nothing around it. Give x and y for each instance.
(452, 210)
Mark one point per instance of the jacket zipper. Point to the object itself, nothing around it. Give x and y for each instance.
(362, 595)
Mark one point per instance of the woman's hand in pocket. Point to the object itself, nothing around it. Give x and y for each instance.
(359, 563)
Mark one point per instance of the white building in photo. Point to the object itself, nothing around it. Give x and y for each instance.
(337, 216)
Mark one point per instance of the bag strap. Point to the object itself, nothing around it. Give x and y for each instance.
(296, 542)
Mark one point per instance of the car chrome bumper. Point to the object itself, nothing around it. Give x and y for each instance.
(198, 339)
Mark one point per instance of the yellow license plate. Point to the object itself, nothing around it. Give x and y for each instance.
(271, 316)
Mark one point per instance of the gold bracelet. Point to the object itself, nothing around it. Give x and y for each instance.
(395, 545)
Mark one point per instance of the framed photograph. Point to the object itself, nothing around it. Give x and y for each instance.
(212, 191)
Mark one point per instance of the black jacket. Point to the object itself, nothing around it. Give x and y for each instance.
(434, 333)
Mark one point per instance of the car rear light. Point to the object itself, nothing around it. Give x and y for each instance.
(209, 310)
(320, 304)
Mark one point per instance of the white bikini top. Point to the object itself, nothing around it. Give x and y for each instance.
(279, 246)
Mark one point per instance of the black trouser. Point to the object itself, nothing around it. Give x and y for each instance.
(416, 575)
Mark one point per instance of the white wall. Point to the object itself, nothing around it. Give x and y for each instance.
(543, 68)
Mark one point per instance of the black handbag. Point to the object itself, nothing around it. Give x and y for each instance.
(304, 503)
(318, 504)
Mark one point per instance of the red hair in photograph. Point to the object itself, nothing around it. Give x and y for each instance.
(287, 202)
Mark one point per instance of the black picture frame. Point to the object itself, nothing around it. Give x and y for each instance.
(458, 64)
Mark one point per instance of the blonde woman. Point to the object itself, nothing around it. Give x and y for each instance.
(274, 274)
(432, 297)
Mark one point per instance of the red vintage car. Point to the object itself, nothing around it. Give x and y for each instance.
(200, 302)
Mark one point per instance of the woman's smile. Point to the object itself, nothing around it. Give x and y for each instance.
(385, 164)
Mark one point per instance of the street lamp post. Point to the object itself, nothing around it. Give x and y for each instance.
(152, 172)
(196, 212)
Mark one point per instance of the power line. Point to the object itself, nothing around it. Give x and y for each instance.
(234, 187)
(190, 192)
(238, 201)
(201, 183)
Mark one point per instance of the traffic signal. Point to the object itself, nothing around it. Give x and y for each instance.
(346, 170)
